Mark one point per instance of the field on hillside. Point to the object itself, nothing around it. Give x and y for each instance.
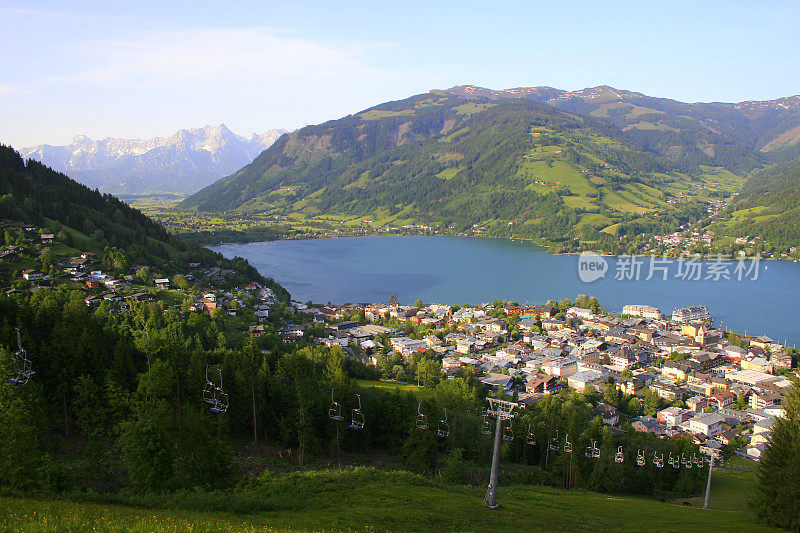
(365, 500)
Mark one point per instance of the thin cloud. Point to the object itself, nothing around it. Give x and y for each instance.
(232, 55)
(7, 89)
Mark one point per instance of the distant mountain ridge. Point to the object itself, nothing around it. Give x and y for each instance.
(185, 162)
(672, 128)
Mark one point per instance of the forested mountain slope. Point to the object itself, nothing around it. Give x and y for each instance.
(34, 194)
(461, 161)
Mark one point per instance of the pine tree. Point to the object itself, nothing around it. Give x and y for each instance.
(775, 499)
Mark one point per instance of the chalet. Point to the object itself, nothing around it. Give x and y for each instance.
(725, 437)
(256, 331)
(697, 403)
(31, 274)
(666, 391)
(542, 383)
(92, 301)
(673, 416)
(762, 341)
(759, 364)
(724, 399)
(47, 237)
(780, 360)
(579, 312)
(162, 283)
(646, 424)
(141, 297)
(553, 324)
(733, 352)
(763, 399)
(708, 424)
(627, 385)
(608, 413)
(679, 370)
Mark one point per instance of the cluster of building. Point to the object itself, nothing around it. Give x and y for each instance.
(719, 391)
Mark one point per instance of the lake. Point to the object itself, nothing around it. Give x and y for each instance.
(457, 270)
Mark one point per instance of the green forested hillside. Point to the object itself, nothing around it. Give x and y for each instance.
(85, 220)
(503, 167)
(768, 207)
(735, 135)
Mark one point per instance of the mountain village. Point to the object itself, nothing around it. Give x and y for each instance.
(665, 375)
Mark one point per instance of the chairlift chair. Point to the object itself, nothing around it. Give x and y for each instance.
(508, 433)
(486, 427)
(210, 388)
(443, 430)
(531, 438)
(335, 410)
(357, 418)
(698, 461)
(674, 462)
(553, 446)
(593, 451)
(422, 419)
(22, 365)
(658, 460)
(640, 460)
(221, 404)
(686, 462)
(619, 456)
(567, 444)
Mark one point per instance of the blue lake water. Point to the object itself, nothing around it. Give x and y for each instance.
(475, 270)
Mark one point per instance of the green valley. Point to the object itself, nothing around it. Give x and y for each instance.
(448, 162)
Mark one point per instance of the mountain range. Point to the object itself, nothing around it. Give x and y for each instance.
(183, 163)
(538, 162)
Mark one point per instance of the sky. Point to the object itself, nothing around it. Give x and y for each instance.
(145, 69)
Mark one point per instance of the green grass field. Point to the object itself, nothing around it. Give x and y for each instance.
(420, 392)
(367, 500)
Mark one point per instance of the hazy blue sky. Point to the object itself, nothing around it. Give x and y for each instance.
(140, 69)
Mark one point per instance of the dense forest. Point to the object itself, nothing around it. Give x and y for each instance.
(769, 206)
(117, 404)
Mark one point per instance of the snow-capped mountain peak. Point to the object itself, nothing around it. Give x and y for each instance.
(184, 162)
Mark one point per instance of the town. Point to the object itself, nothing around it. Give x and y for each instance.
(667, 375)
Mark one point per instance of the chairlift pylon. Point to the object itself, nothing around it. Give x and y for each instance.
(357, 417)
(443, 429)
(335, 410)
(422, 419)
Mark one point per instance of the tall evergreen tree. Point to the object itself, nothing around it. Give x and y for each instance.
(775, 499)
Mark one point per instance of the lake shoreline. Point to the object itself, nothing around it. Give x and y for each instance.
(527, 240)
(480, 269)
